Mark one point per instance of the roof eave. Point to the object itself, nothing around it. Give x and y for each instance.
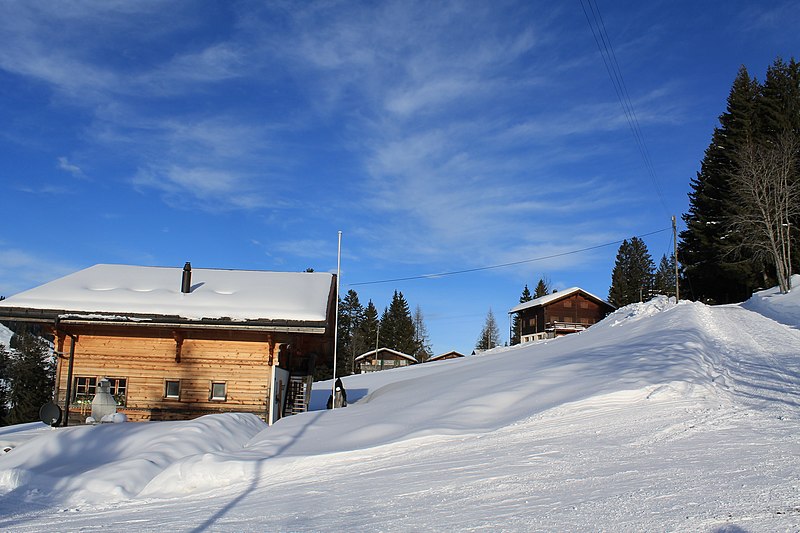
(67, 317)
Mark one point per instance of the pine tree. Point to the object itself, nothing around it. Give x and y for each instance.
(542, 288)
(4, 358)
(397, 326)
(516, 326)
(421, 340)
(351, 314)
(31, 375)
(367, 332)
(490, 334)
(779, 105)
(664, 279)
(779, 113)
(723, 261)
(632, 277)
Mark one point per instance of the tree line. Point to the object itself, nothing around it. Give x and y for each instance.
(362, 329)
(745, 200)
(27, 376)
(744, 204)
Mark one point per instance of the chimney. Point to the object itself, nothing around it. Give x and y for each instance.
(186, 280)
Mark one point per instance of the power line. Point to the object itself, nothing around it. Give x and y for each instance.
(598, 28)
(503, 265)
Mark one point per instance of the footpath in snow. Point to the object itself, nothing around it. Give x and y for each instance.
(661, 417)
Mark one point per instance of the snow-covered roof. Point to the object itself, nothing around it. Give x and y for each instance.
(125, 292)
(394, 352)
(452, 353)
(548, 298)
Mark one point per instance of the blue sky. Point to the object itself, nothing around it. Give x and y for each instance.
(437, 136)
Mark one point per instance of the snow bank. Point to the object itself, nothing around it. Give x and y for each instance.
(653, 372)
(109, 462)
(783, 308)
(636, 350)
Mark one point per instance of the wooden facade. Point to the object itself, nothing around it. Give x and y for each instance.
(167, 367)
(559, 314)
(447, 355)
(159, 374)
(382, 359)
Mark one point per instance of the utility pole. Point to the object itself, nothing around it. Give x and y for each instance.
(336, 320)
(675, 257)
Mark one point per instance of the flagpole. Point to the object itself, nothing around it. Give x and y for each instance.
(336, 321)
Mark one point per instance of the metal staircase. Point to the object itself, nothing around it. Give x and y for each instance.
(298, 395)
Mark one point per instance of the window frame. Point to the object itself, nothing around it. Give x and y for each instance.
(168, 396)
(216, 398)
(114, 390)
(81, 391)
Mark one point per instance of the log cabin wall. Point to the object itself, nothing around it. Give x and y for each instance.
(202, 362)
(575, 309)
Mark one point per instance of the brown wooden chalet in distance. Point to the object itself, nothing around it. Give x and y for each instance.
(452, 354)
(180, 343)
(383, 359)
(560, 313)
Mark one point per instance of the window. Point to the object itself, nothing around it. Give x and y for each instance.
(85, 388)
(567, 303)
(119, 389)
(218, 391)
(172, 389)
(584, 305)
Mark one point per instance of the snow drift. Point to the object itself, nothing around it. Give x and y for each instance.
(642, 366)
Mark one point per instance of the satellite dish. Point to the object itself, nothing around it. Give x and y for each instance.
(50, 414)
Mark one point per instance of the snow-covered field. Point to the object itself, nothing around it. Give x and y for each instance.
(663, 417)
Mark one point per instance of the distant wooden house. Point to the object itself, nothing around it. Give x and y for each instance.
(383, 359)
(180, 343)
(560, 313)
(452, 354)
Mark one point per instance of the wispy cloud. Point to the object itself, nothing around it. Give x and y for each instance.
(21, 270)
(453, 140)
(72, 169)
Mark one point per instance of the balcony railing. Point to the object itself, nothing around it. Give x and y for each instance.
(561, 326)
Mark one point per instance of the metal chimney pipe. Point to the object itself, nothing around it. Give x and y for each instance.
(186, 280)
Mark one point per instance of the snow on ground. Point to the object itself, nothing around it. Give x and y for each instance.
(661, 417)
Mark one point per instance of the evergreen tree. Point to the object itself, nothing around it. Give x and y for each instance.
(779, 113)
(516, 326)
(542, 288)
(664, 279)
(490, 334)
(351, 314)
(31, 374)
(632, 277)
(367, 332)
(421, 340)
(727, 227)
(779, 105)
(711, 272)
(397, 326)
(3, 386)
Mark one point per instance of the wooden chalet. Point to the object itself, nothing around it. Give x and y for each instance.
(180, 343)
(560, 313)
(383, 359)
(443, 356)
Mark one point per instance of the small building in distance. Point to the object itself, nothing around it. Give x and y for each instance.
(560, 313)
(180, 343)
(382, 359)
(452, 354)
